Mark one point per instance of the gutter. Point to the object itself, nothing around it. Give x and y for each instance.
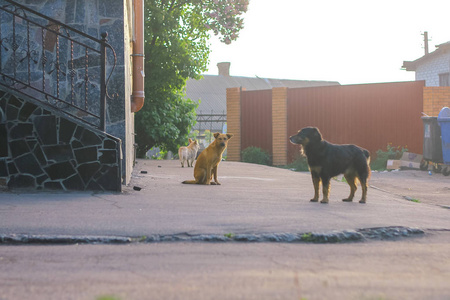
(138, 94)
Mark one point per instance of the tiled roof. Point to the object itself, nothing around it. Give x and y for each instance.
(211, 89)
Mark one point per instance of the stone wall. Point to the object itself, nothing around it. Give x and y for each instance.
(95, 17)
(40, 149)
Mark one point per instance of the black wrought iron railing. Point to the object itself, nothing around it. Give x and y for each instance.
(54, 63)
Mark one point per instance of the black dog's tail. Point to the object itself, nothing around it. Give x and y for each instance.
(367, 155)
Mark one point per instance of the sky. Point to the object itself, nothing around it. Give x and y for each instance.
(349, 41)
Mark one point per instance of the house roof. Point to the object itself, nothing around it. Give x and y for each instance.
(211, 89)
(413, 65)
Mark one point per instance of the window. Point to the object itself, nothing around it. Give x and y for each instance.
(444, 79)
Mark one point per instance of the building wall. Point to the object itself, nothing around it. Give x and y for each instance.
(434, 99)
(430, 70)
(95, 17)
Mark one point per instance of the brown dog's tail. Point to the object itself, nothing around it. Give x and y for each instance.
(189, 182)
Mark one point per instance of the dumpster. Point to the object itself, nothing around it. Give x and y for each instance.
(444, 121)
(432, 144)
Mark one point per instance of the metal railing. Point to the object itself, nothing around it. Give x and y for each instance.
(54, 63)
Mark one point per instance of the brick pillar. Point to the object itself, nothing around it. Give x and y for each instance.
(234, 123)
(279, 126)
(434, 99)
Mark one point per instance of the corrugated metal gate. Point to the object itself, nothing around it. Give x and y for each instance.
(369, 115)
(256, 119)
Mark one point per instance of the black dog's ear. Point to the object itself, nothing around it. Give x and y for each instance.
(317, 135)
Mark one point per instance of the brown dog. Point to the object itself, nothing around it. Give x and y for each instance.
(188, 154)
(208, 161)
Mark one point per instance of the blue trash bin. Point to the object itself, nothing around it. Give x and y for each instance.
(444, 121)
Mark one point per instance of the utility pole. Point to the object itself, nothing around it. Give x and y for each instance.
(425, 41)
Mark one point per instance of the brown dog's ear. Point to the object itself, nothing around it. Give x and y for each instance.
(190, 140)
(229, 135)
(216, 135)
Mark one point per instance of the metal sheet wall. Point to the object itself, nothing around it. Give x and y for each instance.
(369, 115)
(256, 119)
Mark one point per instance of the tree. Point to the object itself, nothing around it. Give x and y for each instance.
(177, 34)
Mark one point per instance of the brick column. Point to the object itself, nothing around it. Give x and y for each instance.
(279, 126)
(434, 99)
(234, 123)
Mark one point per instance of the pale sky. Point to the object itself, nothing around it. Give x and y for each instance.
(349, 41)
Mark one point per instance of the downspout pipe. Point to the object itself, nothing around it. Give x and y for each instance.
(137, 98)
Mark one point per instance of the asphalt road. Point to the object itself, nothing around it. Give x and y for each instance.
(413, 269)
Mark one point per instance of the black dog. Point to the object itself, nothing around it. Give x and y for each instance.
(327, 160)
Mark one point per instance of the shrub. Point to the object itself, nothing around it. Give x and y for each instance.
(383, 156)
(256, 155)
(300, 164)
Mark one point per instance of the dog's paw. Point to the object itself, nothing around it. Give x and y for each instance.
(314, 200)
(347, 200)
(324, 201)
(362, 201)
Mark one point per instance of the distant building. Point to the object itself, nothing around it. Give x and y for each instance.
(433, 67)
(211, 92)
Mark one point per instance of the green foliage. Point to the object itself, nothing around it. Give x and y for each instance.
(177, 34)
(300, 164)
(108, 298)
(256, 155)
(383, 156)
(229, 235)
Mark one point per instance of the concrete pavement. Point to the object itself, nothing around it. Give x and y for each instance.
(253, 201)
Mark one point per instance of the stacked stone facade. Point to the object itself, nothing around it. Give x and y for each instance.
(41, 149)
(92, 17)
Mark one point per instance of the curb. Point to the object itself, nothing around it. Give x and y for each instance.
(360, 235)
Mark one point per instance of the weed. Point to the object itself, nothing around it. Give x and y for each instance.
(107, 298)
(382, 157)
(412, 199)
(307, 237)
(229, 235)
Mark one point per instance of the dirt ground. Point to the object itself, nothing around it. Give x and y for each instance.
(414, 185)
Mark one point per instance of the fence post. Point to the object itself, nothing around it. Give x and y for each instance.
(103, 82)
(234, 123)
(279, 126)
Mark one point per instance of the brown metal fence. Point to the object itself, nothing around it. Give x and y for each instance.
(256, 119)
(369, 115)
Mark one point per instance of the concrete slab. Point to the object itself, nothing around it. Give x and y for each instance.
(252, 199)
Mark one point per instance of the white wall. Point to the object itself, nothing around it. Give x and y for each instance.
(430, 70)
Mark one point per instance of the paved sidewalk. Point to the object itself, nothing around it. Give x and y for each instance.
(253, 200)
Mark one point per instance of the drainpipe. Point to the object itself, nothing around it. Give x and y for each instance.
(137, 98)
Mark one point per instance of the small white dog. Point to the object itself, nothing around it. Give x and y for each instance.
(188, 154)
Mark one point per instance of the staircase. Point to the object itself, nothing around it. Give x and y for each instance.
(53, 91)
